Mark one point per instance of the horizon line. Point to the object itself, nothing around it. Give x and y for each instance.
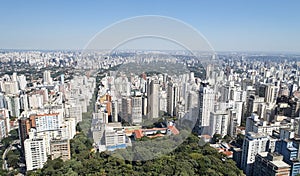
(217, 51)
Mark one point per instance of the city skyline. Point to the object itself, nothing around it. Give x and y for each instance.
(150, 88)
(245, 111)
(228, 26)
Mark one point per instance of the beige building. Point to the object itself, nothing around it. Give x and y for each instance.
(60, 148)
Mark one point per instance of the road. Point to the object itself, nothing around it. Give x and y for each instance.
(4, 165)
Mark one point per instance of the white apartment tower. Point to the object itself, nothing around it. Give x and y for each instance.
(206, 106)
(35, 152)
(115, 111)
(271, 93)
(254, 143)
(47, 78)
(219, 123)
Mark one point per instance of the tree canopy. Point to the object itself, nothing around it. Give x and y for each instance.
(188, 159)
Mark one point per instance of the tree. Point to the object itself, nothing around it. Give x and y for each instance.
(12, 159)
(189, 158)
(78, 128)
(216, 138)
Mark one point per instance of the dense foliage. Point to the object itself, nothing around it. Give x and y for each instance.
(13, 156)
(188, 159)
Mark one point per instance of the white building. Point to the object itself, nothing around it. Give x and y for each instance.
(11, 87)
(35, 152)
(206, 105)
(13, 103)
(114, 106)
(24, 102)
(238, 106)
(219, 123)
(254, 143)
(271, 93)
(4, 123)
(47, 78)
(22, 82)
(47, 122)
(3, 131)
(122, 86)
(163, 101)
(35, 101)
(115, 136)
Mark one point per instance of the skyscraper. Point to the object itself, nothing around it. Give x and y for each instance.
(136, 110)
(153, 99)
(126, 109)
(172, 99)
(206, 106)
(114, 111)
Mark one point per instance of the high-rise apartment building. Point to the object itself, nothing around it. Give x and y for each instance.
(47, 78)
(153, 99)
(136, 110)
(35, 152)
(46, 122)
(219, 123)
(253, 144)
(172, 99)
(271, 93)
(206, 106)
(126, 109)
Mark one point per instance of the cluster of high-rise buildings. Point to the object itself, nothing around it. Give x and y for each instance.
(270, 103)
(135, 98)
(244, 94)
(254, 95)
(46, 113)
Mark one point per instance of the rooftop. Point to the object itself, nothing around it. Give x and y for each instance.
(280, 164)
(252, 135)
(263, 154)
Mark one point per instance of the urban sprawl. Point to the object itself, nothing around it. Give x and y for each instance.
(245, 105)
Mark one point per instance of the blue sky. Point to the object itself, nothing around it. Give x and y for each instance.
(228, 25)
